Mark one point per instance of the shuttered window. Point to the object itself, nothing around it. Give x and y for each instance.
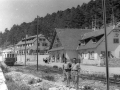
(116, 40)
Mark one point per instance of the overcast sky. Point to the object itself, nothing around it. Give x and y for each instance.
(18, 11)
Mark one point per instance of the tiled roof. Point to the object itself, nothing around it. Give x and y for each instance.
(30, 41)
(40, 35)
(22, 48)
(7, 50)
(54, 49)
(90, 44)
(69, 38)
(97, 32)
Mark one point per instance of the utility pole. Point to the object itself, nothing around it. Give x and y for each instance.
(95, 22)
(106, 49)
(15, 55)
(25, 49)
(37, 41)
(78, 74)
(113, 19)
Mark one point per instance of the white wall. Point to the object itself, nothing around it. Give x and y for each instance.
(70, 54)
(1, 59)
(113, 47)
(86, 59)
(21, 58)
(117, 52)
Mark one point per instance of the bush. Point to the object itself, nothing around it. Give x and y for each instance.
(32, 81)
(4, 67)
(56, 67)
(8, 78)
(24, 87)
(14, 86)
(50, 78)
(60, 69)
(116, 77)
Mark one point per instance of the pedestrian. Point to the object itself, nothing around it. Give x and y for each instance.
(75, 72)
(67, 71)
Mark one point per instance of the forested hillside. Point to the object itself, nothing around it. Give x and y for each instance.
(75, 17)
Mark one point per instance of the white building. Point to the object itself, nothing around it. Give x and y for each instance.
(64, 44)
(92, 46)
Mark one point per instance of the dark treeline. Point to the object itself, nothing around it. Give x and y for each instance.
(76, 17)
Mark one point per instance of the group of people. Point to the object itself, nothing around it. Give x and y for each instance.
(71, 71)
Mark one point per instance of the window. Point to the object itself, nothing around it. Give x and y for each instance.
(116, 40)
(82, 42)
(12, 55)
(79, 44)
(91, 55)
(57, 39)
(40, 39)
(44, 44)
(38, 44)
(94, 40)
(82, 55)
(104, 54)
(43, 39)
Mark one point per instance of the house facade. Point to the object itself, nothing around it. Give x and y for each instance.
(30, 44)
(92, 46)
(65, 44)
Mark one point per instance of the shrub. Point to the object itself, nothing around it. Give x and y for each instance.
(50, 78)
(32, 81)
(4, 67)
(60, 69)
(116, 77)
(14, 86)
(8, 78)
(24, 87)
(56, 67)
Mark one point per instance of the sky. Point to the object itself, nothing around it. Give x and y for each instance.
(19, 11)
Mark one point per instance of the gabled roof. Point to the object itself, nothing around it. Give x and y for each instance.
(30, 41)
(97, 32)
(7, 50)
(69, 38)
(90, 44)
(59, 48)
(22, 48)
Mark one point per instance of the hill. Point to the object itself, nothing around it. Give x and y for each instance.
(76, 17)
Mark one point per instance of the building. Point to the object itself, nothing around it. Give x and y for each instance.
(92, 45)
(65, 44)
(31, 45)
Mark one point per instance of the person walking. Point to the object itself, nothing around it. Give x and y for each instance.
(75, 72)
(67, 72)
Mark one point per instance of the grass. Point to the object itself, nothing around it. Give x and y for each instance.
(32, 81)
(45, 69)
(14, 86)
(45, 72)
(4, 67)
(49, 78)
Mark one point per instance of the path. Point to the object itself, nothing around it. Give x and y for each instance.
(89, 68)
(3, 85)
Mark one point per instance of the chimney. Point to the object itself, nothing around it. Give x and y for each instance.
(26, 35)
